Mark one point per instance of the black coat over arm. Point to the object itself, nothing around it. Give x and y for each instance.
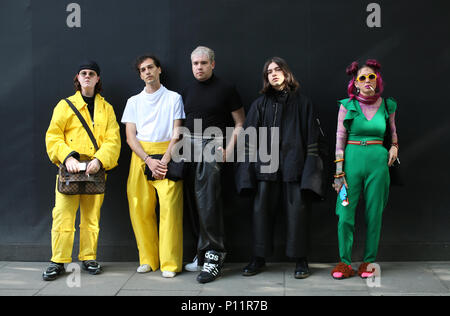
(299, 135)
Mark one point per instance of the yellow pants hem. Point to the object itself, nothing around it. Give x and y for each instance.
(163, 247)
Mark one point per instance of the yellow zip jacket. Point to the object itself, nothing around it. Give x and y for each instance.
(66, 134)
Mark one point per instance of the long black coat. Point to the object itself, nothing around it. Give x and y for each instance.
(299, 135)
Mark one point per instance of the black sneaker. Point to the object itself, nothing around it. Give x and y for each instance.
(212, 266)
(92, 267)
(302, 269)
(254, 267)
(53, 271)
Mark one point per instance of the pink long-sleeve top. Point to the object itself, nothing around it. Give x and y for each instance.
(369, 110)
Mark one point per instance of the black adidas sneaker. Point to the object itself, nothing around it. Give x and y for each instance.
(212, 266)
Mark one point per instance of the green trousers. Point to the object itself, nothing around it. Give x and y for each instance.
(366, 172)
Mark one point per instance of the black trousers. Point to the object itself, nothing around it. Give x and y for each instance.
(271, 199)
(203, 195)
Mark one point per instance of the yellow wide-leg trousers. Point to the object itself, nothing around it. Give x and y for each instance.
(166, 250)
(63, 226)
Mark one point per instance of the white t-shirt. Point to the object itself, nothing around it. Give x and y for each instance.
(154, 113)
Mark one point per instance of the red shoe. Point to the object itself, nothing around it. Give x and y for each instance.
(342, 271)
(365, 273)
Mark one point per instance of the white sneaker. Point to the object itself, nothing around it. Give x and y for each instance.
(193, 266)
(143, 268)
(168, 274)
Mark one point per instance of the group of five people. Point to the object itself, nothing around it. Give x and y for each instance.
(157, 120)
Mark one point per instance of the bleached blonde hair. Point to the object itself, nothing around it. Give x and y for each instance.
(203, 50)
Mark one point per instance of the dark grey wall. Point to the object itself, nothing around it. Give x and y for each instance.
(39, 54)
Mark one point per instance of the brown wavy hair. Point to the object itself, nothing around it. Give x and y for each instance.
(77, 85)
(289, 78)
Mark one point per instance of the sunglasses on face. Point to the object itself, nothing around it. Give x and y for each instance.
(88, 73)
(363, 78)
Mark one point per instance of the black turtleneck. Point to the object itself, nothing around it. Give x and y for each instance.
(281, 96)
(211, 100)
(90, 104)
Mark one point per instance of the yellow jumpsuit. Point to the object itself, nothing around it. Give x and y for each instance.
(65, 135)
(166, 251)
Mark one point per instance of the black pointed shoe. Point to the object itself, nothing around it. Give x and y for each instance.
(92, 267)
(302, 269)
(254, 267)
(212, 266)
(53, 271)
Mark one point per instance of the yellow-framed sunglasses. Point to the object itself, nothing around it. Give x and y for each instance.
(363, 78)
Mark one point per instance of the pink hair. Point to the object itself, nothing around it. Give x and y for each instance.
(353, 69)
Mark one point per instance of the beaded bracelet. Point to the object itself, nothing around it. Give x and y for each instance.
(145, 159)
(339, 175)
(395, 145)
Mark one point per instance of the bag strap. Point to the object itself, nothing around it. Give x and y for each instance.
(83, 122)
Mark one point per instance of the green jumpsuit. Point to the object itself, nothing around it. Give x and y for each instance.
(366, 171)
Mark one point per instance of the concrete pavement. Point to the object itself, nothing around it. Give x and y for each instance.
(121, 279)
